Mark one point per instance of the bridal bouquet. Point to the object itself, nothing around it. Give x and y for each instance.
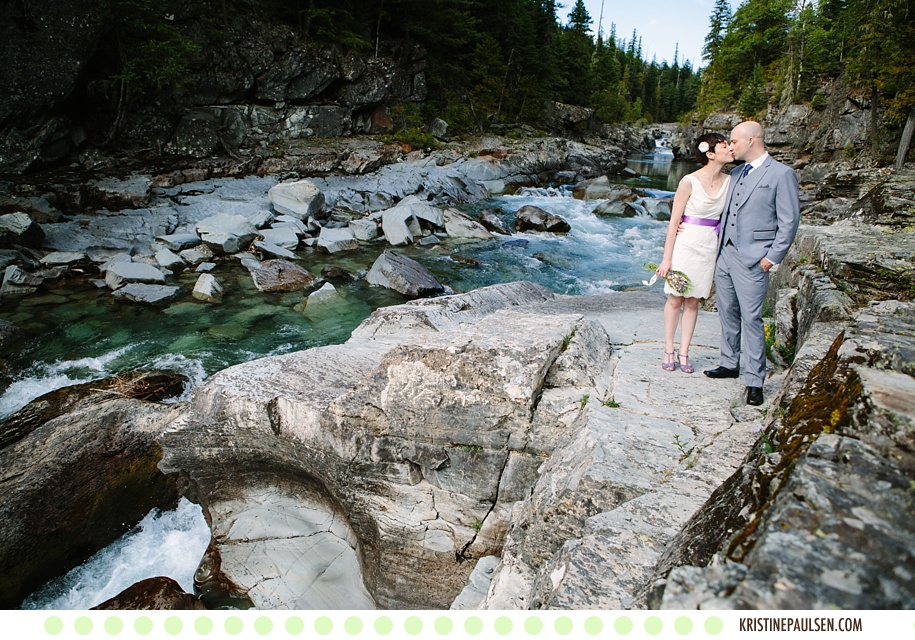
(677, 280)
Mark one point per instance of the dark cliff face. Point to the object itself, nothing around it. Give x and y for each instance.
(45, 47)
(249, 83)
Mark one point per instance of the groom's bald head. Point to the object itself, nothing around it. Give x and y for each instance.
(748, 141)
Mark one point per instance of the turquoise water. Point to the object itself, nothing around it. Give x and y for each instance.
(75, 332)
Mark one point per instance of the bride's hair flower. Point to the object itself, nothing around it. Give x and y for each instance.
(703, 147)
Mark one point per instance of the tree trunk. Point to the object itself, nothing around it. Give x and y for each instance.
(872, 133)
(906, 140)
(378, 29)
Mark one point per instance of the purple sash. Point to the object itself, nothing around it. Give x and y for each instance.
(703, 222)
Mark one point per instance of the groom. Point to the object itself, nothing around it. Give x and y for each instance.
(758, 225)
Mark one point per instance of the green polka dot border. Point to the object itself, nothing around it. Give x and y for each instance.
(381, 625)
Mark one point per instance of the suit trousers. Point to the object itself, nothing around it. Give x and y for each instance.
(740, 293)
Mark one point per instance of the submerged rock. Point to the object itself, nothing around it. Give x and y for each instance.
(153, 594)
(322, 298)
(207, 289)
(147, 293)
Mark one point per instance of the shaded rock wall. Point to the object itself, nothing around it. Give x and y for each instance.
(798, 134)
(252, 83)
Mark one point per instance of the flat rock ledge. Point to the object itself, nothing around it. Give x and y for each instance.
(507, 422)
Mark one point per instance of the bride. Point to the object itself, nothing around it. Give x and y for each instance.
(689, 258)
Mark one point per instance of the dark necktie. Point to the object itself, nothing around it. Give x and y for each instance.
(746, 170)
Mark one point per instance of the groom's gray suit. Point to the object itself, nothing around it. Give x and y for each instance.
(760, 220)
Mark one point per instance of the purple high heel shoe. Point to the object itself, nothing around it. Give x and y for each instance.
(685, 368)
(669, 366)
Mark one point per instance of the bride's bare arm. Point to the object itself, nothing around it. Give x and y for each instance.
(684, 190)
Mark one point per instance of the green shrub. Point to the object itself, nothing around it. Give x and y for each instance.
(819, 101)
(412, 137)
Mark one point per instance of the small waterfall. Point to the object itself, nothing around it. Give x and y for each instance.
(562, 191)
(639, 206)
(662, 147)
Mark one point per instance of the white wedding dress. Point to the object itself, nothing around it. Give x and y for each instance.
(696, 247)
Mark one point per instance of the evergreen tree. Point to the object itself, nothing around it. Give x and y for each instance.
(718, 24)
(881, 61)
(578, 49)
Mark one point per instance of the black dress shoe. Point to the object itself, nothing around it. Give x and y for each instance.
(722, 372)
(754, 396)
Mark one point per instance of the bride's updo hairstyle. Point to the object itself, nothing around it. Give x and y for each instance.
(706, 143)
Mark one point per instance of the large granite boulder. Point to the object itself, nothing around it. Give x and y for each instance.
(227, 233)
(460, 227)
(399, 226)
(280, 275)
(492, 222)
(19, 229)
(81, 468)
(301, 199)
(406, 276)
(403, 450)
(602, 189)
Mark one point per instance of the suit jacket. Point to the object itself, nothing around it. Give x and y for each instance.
(761, 213)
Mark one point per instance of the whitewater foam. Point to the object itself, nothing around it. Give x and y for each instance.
(43, 377)
(167, 543)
